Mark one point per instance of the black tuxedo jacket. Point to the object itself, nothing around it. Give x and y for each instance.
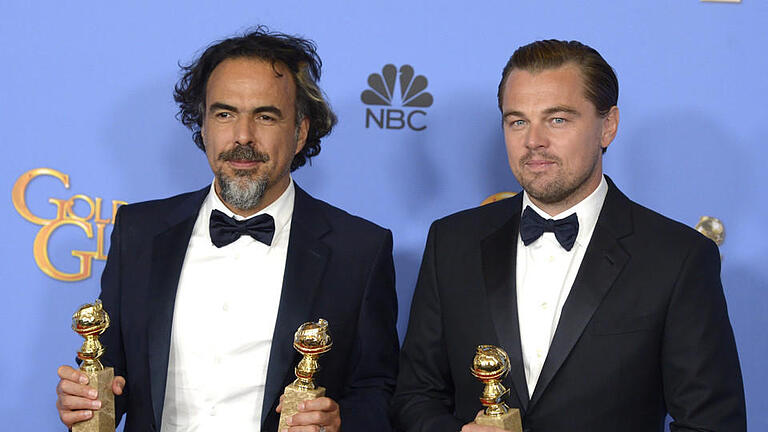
(644, 331)
(339, 267)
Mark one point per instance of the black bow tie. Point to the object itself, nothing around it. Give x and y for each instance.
(532, 226)
(225, 230)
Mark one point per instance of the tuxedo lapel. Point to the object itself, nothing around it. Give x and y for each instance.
(499, 255)
(168, 250)
(304, 266)
(603, 261)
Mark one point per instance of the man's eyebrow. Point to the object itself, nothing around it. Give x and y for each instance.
(269, 109)
(216, 106)
(221, 106)
(512, 113)
(561, 109)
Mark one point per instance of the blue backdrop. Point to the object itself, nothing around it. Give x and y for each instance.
(87, 120)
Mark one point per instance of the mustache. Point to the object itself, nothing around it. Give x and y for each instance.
(243, 153)
(540, 156)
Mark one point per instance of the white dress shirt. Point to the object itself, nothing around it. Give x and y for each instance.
(545, 274)
(223, 319)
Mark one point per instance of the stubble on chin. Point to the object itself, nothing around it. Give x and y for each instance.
(544, 187)
(545, 191)
(556, 188)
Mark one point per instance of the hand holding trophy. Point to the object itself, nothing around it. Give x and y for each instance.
(491, 365)
(311, 340)
(90, 321)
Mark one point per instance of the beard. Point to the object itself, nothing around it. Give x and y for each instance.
(245, 188)
(560, 189)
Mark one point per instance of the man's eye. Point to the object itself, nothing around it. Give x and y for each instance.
(517, 123)
(558, 120)
(223, 115)
(266, 118)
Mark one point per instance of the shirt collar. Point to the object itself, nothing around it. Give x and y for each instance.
(587, 211)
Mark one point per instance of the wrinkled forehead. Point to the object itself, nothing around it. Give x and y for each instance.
(546, 85)
(254, 78)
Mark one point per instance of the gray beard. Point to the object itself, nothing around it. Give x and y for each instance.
(241, 191)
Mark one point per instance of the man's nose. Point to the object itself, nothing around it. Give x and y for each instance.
(537, 136)
(244, 131)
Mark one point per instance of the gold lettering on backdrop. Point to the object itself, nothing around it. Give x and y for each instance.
(65, 215)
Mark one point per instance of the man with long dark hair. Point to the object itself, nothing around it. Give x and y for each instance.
(206, 289)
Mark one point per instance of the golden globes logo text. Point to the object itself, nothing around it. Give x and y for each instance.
(65, 215)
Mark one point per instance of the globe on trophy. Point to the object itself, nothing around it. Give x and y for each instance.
(311, 340)
(490, 366)
(713, 229)
(90, 321)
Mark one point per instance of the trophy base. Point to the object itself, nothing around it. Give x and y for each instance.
(508, 422)
(294, 395)
(103, 419)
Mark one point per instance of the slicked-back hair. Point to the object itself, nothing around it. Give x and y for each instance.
(601, 86)
(298, 55)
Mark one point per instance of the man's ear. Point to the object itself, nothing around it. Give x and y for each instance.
(610, 127)
(202, 122)
(301, 135)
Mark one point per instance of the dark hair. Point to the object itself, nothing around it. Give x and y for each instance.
(297, 54)
(601, 84)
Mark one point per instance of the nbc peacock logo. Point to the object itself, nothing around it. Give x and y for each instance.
(410, 95)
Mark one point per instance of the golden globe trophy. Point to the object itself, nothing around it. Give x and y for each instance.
(90, 321)
(491, 365)
(712, 228)
(311, 340)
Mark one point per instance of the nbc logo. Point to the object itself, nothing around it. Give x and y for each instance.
(411, 95)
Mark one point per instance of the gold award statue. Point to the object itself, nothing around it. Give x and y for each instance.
(90, 321)
(491, 365)
(311, 340)
(713, 229)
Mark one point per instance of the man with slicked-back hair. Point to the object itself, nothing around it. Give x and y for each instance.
(612, 315)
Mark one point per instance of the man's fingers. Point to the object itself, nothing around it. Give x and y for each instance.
(72, 388)
(71, 417)
(70, 374)
(279, 408)
(311, 418)
(312, 428)
(70, 403)
(118, 384)
(473, 427)
(76, 401)
(313, 413)
(319, 404)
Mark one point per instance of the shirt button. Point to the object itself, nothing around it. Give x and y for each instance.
(225, 307)
(551, 258)
(212, 412)
(544, 305)
(539, 353)
(217, 360)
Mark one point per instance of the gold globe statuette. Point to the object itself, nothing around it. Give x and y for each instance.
(90, 321)
(490, 366)
(311, 340)
(713, 229)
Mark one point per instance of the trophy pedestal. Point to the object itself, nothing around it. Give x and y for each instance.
(103, 419)
(509, 421)
(294, 395)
